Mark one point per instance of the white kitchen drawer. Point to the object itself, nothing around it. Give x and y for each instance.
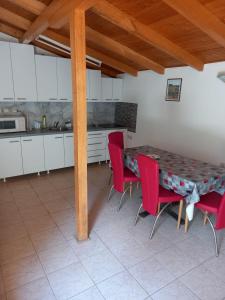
(96, 143)
(96, 156)
(95, 134)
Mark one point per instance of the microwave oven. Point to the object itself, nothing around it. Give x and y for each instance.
(12, 123)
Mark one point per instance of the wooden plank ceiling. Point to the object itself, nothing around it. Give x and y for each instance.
(129, 35)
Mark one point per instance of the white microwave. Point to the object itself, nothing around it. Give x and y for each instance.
(12, 123)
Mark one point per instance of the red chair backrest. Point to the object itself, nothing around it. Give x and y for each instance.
(220, 218)
(149, 174)
(116, 157)
(116, 138)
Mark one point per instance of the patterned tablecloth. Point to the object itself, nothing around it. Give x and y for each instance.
(185, 176)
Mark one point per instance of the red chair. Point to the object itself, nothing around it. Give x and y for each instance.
(213, 203)
(121, 174)
(152, 193)
(116, 138)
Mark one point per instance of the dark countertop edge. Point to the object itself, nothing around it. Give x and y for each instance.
(51, 132)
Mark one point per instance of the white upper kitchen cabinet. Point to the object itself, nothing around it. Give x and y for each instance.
(64, 79)
(24, 77)
(69, 149)
(46, 72)
(94, 85)
(54, 151)
(6, 79)
(117, 89)
(10, 157)
(32, 154)
(107, 89)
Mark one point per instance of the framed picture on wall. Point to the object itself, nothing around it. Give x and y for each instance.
(173, 89)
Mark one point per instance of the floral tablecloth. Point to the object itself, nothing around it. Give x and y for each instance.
(185, 176)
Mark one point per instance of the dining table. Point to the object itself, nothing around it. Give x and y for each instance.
(188, 177)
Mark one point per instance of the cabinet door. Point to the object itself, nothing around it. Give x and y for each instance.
(6, 79)
(117, 89)
(69, 149)
(107, 88)
(10, 157)
(54, 151)
(64, 79)
(46, 78)
(32, 154)
(24, 77)
(95, 85)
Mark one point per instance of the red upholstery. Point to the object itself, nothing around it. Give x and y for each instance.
(215, 204)
(152, 193)
(120, 174)
(116, 138)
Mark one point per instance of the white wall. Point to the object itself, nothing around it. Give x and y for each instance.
(195, 126)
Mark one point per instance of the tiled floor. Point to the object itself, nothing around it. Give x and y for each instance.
(41, 260)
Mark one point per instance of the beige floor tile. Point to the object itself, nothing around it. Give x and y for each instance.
(36, 225)
(36, 290)
(90, 294)
(57, 204)
(64, 216)
(48, 239)
(12, 232)
(33, 212)
(68, 230)
(57, 258)
(22, 271)
(69, 281)
(16, 249)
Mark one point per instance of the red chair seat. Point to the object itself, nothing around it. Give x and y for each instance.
(129, 176)
(210, 202)
(166, 196)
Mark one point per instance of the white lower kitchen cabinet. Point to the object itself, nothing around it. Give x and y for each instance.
(69, 149)
(10, 157)
(54, 151)
(32, 154)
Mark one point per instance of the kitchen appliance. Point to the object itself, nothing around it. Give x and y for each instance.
(12, 123)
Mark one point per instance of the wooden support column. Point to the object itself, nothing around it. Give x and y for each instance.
(78, 62)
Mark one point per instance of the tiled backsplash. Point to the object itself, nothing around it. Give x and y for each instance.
(97, 113)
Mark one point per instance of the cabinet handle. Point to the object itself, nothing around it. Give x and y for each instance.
(98, 155)
(94, 134)
(94, 99)
(116, 99)
(64, 99)
(14, 141)
(95, 144)
(21, 98)
(69, 136)
(58, 137)
(52, 99)
(108, 99)
(8, 98)
(30, 140)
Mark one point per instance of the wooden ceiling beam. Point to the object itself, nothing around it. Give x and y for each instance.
(145, 33)
(119, 49)
(33, 6)
(200, 16)
(57, 12)
(14, 32)
(14, 19)
(118, 65)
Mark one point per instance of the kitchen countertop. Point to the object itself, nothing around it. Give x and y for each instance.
(55, 131)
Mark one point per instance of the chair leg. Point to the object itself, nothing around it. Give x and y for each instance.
(205, 218)
(215, 237)
(137, 215)
(130, 189)
(180, 213)
(186, 223)
(110, 192)
(157, 218)
(121, 199)
(158, 209)
(110, 178)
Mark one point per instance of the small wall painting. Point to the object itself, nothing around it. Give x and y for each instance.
(173, 89)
